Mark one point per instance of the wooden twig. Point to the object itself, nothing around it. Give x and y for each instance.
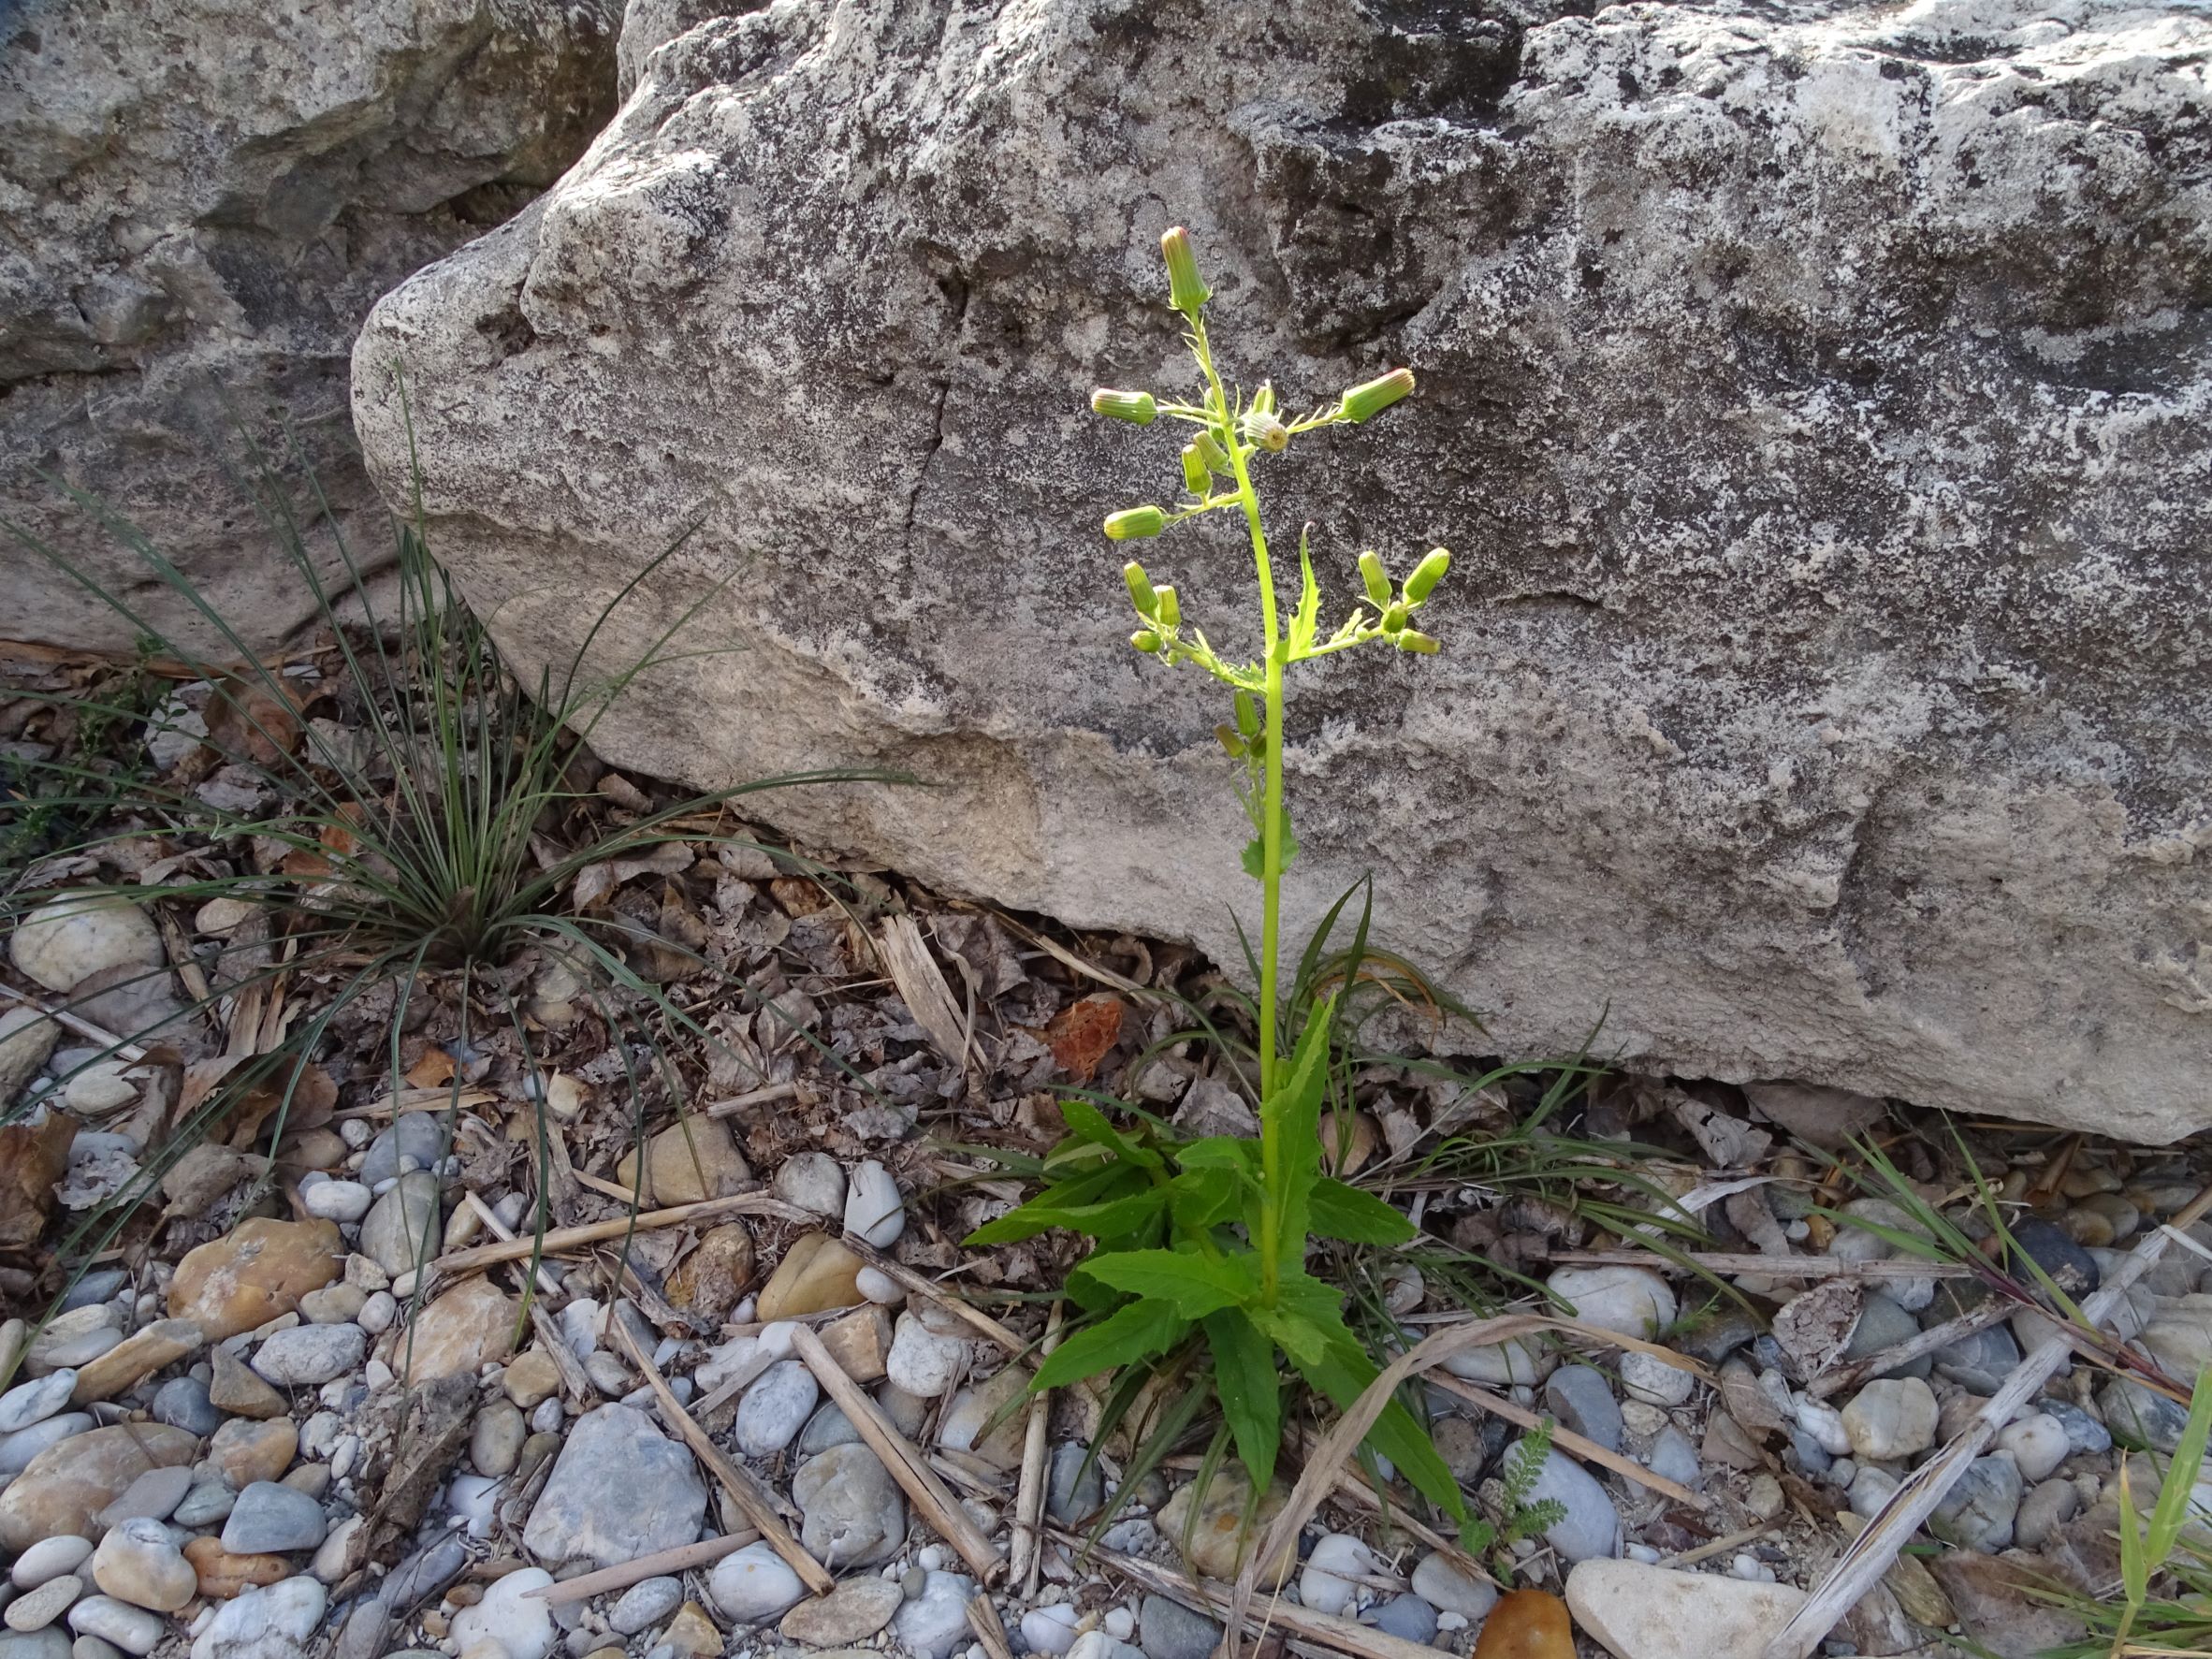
(1025, 1557)
(576, 1382)
(761, 1097)
(416, 1099)
(1993, 1312)
(922, 987)
(982, 1618)
(500, 1230)
(681, 1559)
(1018, 1347)
(1567, 1439)
(748, 1498)
(1279, 1542)
(1869, 1555)
(83, 1027)
(478, 1257)
(925, 1490)
(1340, 1634)
(1718, 1546)
(1773, 1267)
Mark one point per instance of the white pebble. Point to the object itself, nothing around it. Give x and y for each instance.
(2038, 1443)
(1320, 1585)
(337, 1200)
(546, 1418)
(880, 1287)
(377, 1312)
(873, 1209)
(1120, 1623)
(49, 1558)
(775, 1340)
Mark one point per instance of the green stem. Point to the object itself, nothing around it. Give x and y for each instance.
(1271, 830)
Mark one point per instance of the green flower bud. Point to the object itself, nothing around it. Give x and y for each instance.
(1196, 476)
(1211, 452)
(1232, 743)
(1413, 639)
(1371, 397)
(1426, 575)
(1137, 408)
(1263, 400)
(1133, 524)
(1145, 640)
(1170, 610)
(1376, 578)
(1247, 715)
(1141, 593)
(1186, 289)
(1393, 617)
(1269, 433)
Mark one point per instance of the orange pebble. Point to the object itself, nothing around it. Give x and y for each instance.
(1527, 1624)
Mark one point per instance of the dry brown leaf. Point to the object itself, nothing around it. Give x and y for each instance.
(33, 1157)
(256, 722)
(1815, 1327)
(1084, 1032)
(433, 1069)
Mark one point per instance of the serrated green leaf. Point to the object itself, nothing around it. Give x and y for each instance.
(1086, 1122)
(1093, 1187)
(1113, 1218)
(1338, 1211)
(1292, 1119)
(1343, 1374)
(1254, 856)
(1202, 1198)
(1219, 1152)
(1297, 1334)
(1135, 1333)
(1306, 622)
(1193, 1285)
(1251, 1396)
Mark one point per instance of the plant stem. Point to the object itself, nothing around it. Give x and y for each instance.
(1271, 827)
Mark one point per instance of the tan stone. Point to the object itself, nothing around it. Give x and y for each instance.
(246, 1452)
(258, 1269)
(471, 1326)
(67, 1486)
(816, 1274)
(692, 1158)
(971, 1414)
(1637, 1612)
(859, 1342)
(238, 1388)
(691, 1635)
(713, 1278)
(222, 1575)
(1218, 1539)
(135, 1357)
(531, 1375)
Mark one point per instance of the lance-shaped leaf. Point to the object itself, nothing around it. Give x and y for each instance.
(1193, 1285)
(1135, 1333)
(1336, 1210)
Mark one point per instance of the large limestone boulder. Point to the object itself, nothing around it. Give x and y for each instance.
(199, 200)
(1815, 398)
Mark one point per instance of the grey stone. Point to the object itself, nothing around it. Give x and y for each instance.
(2070, 1267)
(495, 1441)
(1451, 1589)
(19, 1449)
(424, 1574)
(2043, 1512)
(2083, 1432)
(403, 1228)
(1584, 1404)
(1977, 1513)
(1673, 1456)
(935, 1623)
(182, 1403)
(646, 1603)
(1748, 795)
(1982, 1361)
(277, 1621)
(272, 1518)
(1591, 1525)
(620, 1490)
(1883, 1324)
(1166, 1629)
(50, 1644)
(419, 1136)
(205, 1505)
(852, 1512)
(775, 1408)
(1071, 1491)
(219, 240)
(1408, 1618)
(26, 1038)
(829, 1426)
(2138, 1418)
(309, 1356)
(36, 1400)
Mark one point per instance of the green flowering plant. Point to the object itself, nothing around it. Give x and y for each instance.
(1201, 1243)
